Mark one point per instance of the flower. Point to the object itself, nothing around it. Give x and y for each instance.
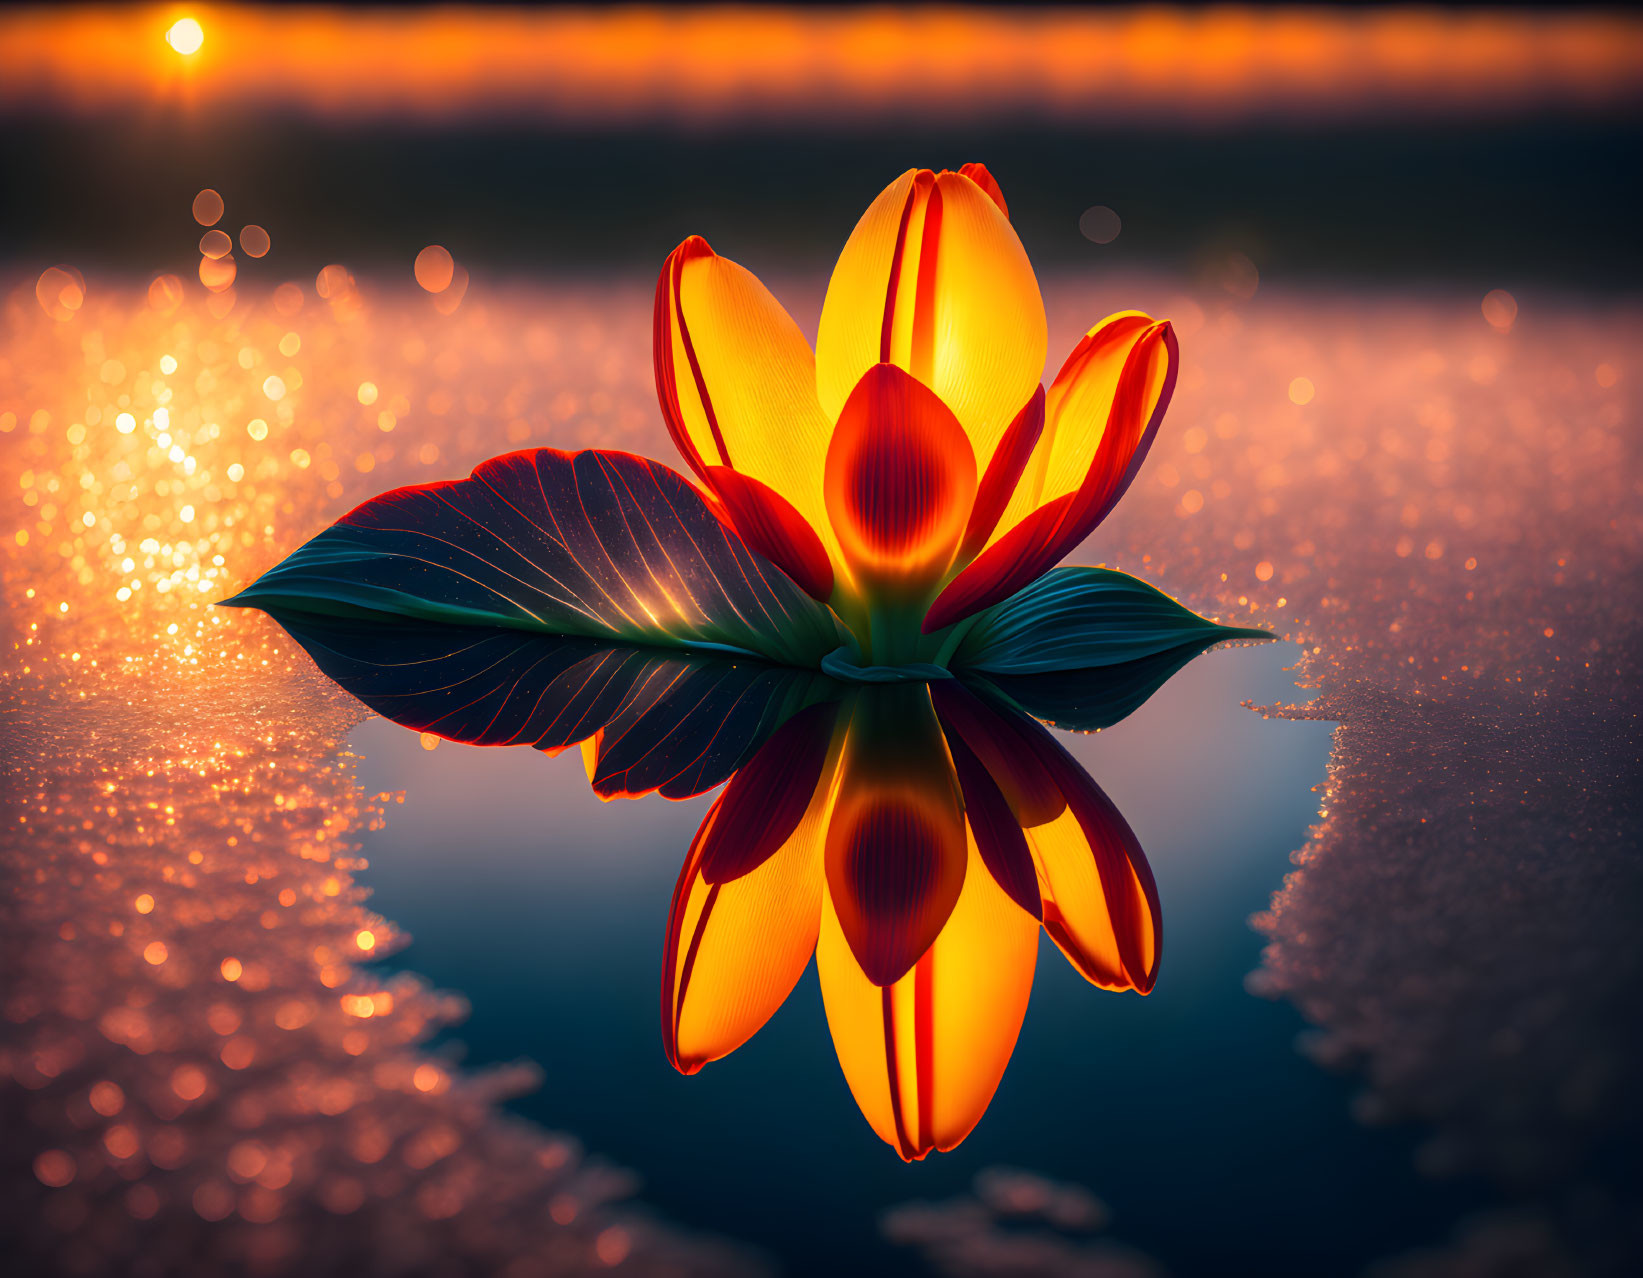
(914, 838)
(849, 625)
(911, 471)
(889, 506)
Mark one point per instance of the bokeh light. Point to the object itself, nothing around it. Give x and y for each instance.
(254, 241)
(450, 298)
(217, 273)
(1099, 224)
(1235, 274)
(208, 207)
(434, 268)
(334, 282)
(165, 293)
(61, 291)
(288, 300)
(1499, 309)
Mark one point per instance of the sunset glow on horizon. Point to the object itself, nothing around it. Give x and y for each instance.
(716, 62)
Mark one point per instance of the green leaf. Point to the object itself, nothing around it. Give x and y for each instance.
(674, 722)
(1077, 618)
(598, 545)
(1092, 698)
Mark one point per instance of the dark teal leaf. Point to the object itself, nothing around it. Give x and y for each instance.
(673, 722)
(1076, 618)
(1092, 698)
(594, 544)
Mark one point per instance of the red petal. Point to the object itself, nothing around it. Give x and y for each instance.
(1015, 559)
(1033, 796)
(1003, 474)
(900, 479)
(895, 867)
(998, 835)
(982, 177)
(762, 805)
(768, 523)
(1130, 430)
(1041, 539)
(1123, 891)
(666, 316)
(896, 848)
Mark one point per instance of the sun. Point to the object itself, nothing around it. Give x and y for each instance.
(185, 36)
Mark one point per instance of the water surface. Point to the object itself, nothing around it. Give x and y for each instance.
(546, 908)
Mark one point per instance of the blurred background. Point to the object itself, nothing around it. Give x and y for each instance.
(1478, 144)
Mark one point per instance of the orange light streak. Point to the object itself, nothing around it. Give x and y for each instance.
(828, 65)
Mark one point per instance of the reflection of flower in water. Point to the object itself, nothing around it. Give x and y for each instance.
(914, 838)
(1016, 1224)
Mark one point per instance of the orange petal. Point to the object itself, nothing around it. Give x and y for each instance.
(1110, 934)
(1104, 408)
(934, 280)
(900, 481)
(1020, 556)
(735, 949)
(1101, 416)
(923, 1057)
(736, 378)
(772, 525)
(1100, 902)
(768, 796)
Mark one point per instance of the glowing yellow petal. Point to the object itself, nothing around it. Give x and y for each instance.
(737, 379)
(735, 950)
(1080, 908)
(924, 1056)
(934, 280)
